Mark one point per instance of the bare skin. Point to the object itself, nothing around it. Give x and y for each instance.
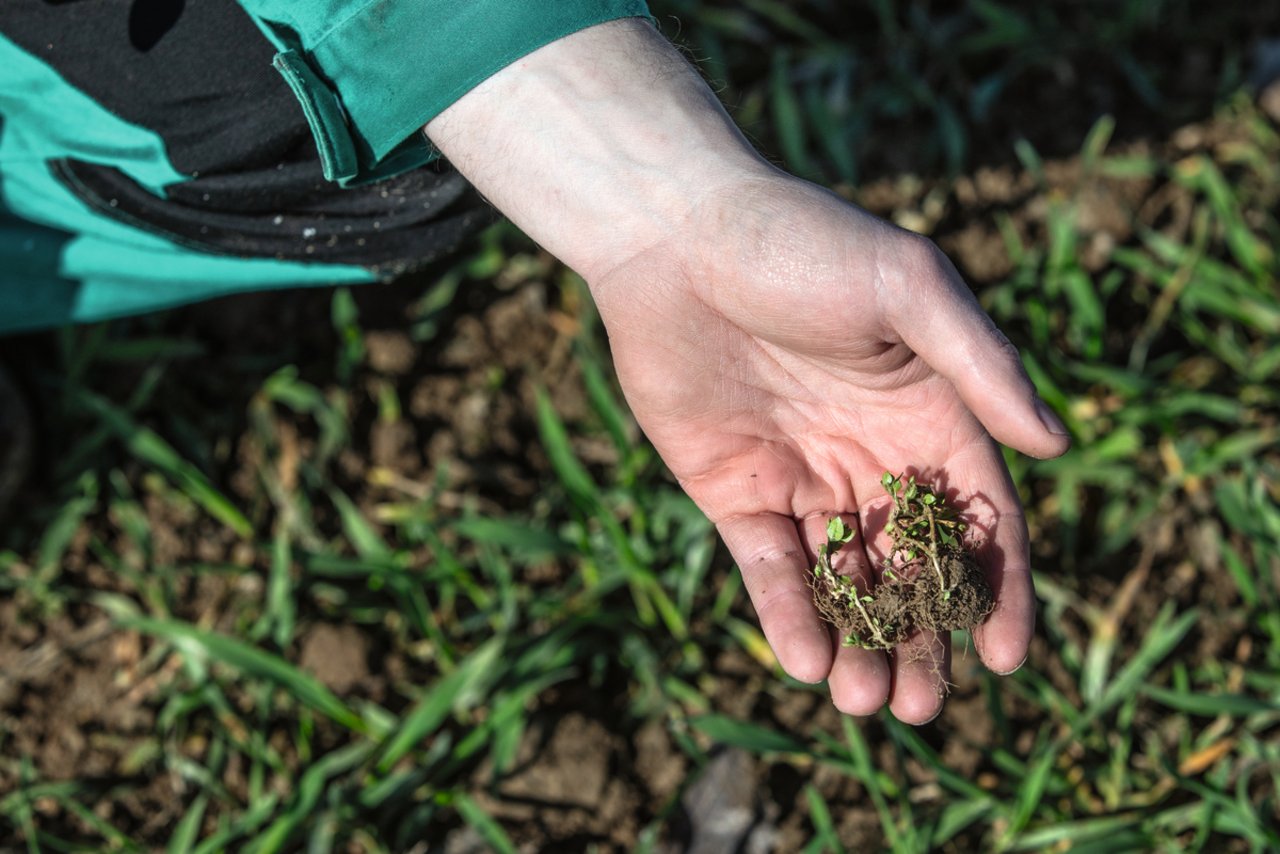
(781, 348)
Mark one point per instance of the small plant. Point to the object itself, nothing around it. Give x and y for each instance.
(930, 580)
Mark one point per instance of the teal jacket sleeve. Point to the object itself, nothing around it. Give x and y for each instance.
(370, 73)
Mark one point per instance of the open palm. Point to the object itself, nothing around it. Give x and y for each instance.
(782, 351)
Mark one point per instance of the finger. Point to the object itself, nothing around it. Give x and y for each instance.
(859, 678)
(936, 315)
(774, 569)
(1003, 550)
(1003, 639)
(980, 489)
(921, 670)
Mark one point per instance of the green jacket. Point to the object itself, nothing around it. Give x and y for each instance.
(237, 146)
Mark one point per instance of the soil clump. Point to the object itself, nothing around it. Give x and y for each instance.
(931, 580)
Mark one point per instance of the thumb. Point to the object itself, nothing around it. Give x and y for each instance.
(944, 325)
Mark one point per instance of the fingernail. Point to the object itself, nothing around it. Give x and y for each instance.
(1014, 669)
(1050, 419)
(932, 719)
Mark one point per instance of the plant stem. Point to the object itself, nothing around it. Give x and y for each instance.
(933, 547)
(871, 624)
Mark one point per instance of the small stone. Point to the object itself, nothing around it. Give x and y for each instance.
(721, 804)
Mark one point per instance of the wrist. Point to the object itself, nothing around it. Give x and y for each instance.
(599, 145)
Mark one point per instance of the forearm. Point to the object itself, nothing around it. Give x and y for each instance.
(598, 145)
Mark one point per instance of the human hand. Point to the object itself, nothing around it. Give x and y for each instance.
(784, 349)
(780, 347)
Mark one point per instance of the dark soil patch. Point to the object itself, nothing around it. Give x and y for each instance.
(15, 440)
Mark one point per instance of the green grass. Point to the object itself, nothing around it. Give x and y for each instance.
(841, 92)
(1142, 722)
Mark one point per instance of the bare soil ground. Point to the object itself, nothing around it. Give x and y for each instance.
(76, 695)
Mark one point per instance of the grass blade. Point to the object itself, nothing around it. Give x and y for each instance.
(747, 735)
(236, 654)
(522, 540)
(307, 796)
(1210, 705)
(1160, 641)
(825, 837)
(570, 471)
(871, 779)
(1032, 788)
(484, 824)
(452, 692)
(150, 448)
(188, 829)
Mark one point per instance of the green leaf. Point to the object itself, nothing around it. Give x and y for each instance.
(1240, 573)
(1160, 640)
(1030, 159)
(310, 788)
(520, 539)
(571, 472)
(150, 448)
(187, 832)
(605, 402)
(484, 824)
(956, 817)
(1211, 705)
(1088, 317)
(747, 735)
(59, 533)
(458, 690)
(236, 654)
(825, 838)
(1083, 834)
(1095, 142)
(258, 812)
(789, 119)
(878, 784)
(368, 544)
(951, 130)
(1031, 788)
(280, 613)
(838, 531)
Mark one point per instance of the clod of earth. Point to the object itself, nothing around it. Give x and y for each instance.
(930, 579)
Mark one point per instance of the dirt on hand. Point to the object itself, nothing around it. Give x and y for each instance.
(931, 580)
